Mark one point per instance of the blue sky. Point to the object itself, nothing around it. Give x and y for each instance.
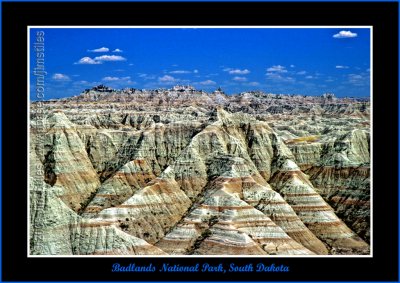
(307, 61)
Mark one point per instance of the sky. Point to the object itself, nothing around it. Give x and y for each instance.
(306, 61)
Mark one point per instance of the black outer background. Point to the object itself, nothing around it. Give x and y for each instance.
(17, 16)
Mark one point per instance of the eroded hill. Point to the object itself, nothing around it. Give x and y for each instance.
(187, 172)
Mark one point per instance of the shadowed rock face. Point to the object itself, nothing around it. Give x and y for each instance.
(190, 173)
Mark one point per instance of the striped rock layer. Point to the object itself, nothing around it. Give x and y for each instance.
(215, 184)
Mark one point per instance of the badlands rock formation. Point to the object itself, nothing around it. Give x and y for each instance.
(185, 172)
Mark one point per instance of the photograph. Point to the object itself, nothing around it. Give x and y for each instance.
(199, 141)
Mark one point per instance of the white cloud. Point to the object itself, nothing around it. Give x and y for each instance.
(88, 61)
(180, 72)
(195, 71)
(301, 73)
(341, 67)
(278, 77)
(101, 49)
(309, 77)
(119, 80)
(117, 50)
(110, 58)
(292, 66)
(207, 82)
(359, 79)
(60, 77)
(110, 79)
(238, 71)
(355, 76)
(167, 79)
(130, 64)
(345, 34)
(212, 75)
(146, 76)
(81, 83)
(276, 73)
(277, 69)
(254, 84)
(240, 79)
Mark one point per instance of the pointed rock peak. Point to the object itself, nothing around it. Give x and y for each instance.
(222, 114)
(58, 113)
(289, 165)
(226, 118)
(358, 133)
(168, 173)
(59, 120)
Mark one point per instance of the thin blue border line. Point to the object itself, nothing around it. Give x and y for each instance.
(398, 147)
(322, 1)
(1, 147)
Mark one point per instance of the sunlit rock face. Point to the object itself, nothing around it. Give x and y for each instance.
(185, 172)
